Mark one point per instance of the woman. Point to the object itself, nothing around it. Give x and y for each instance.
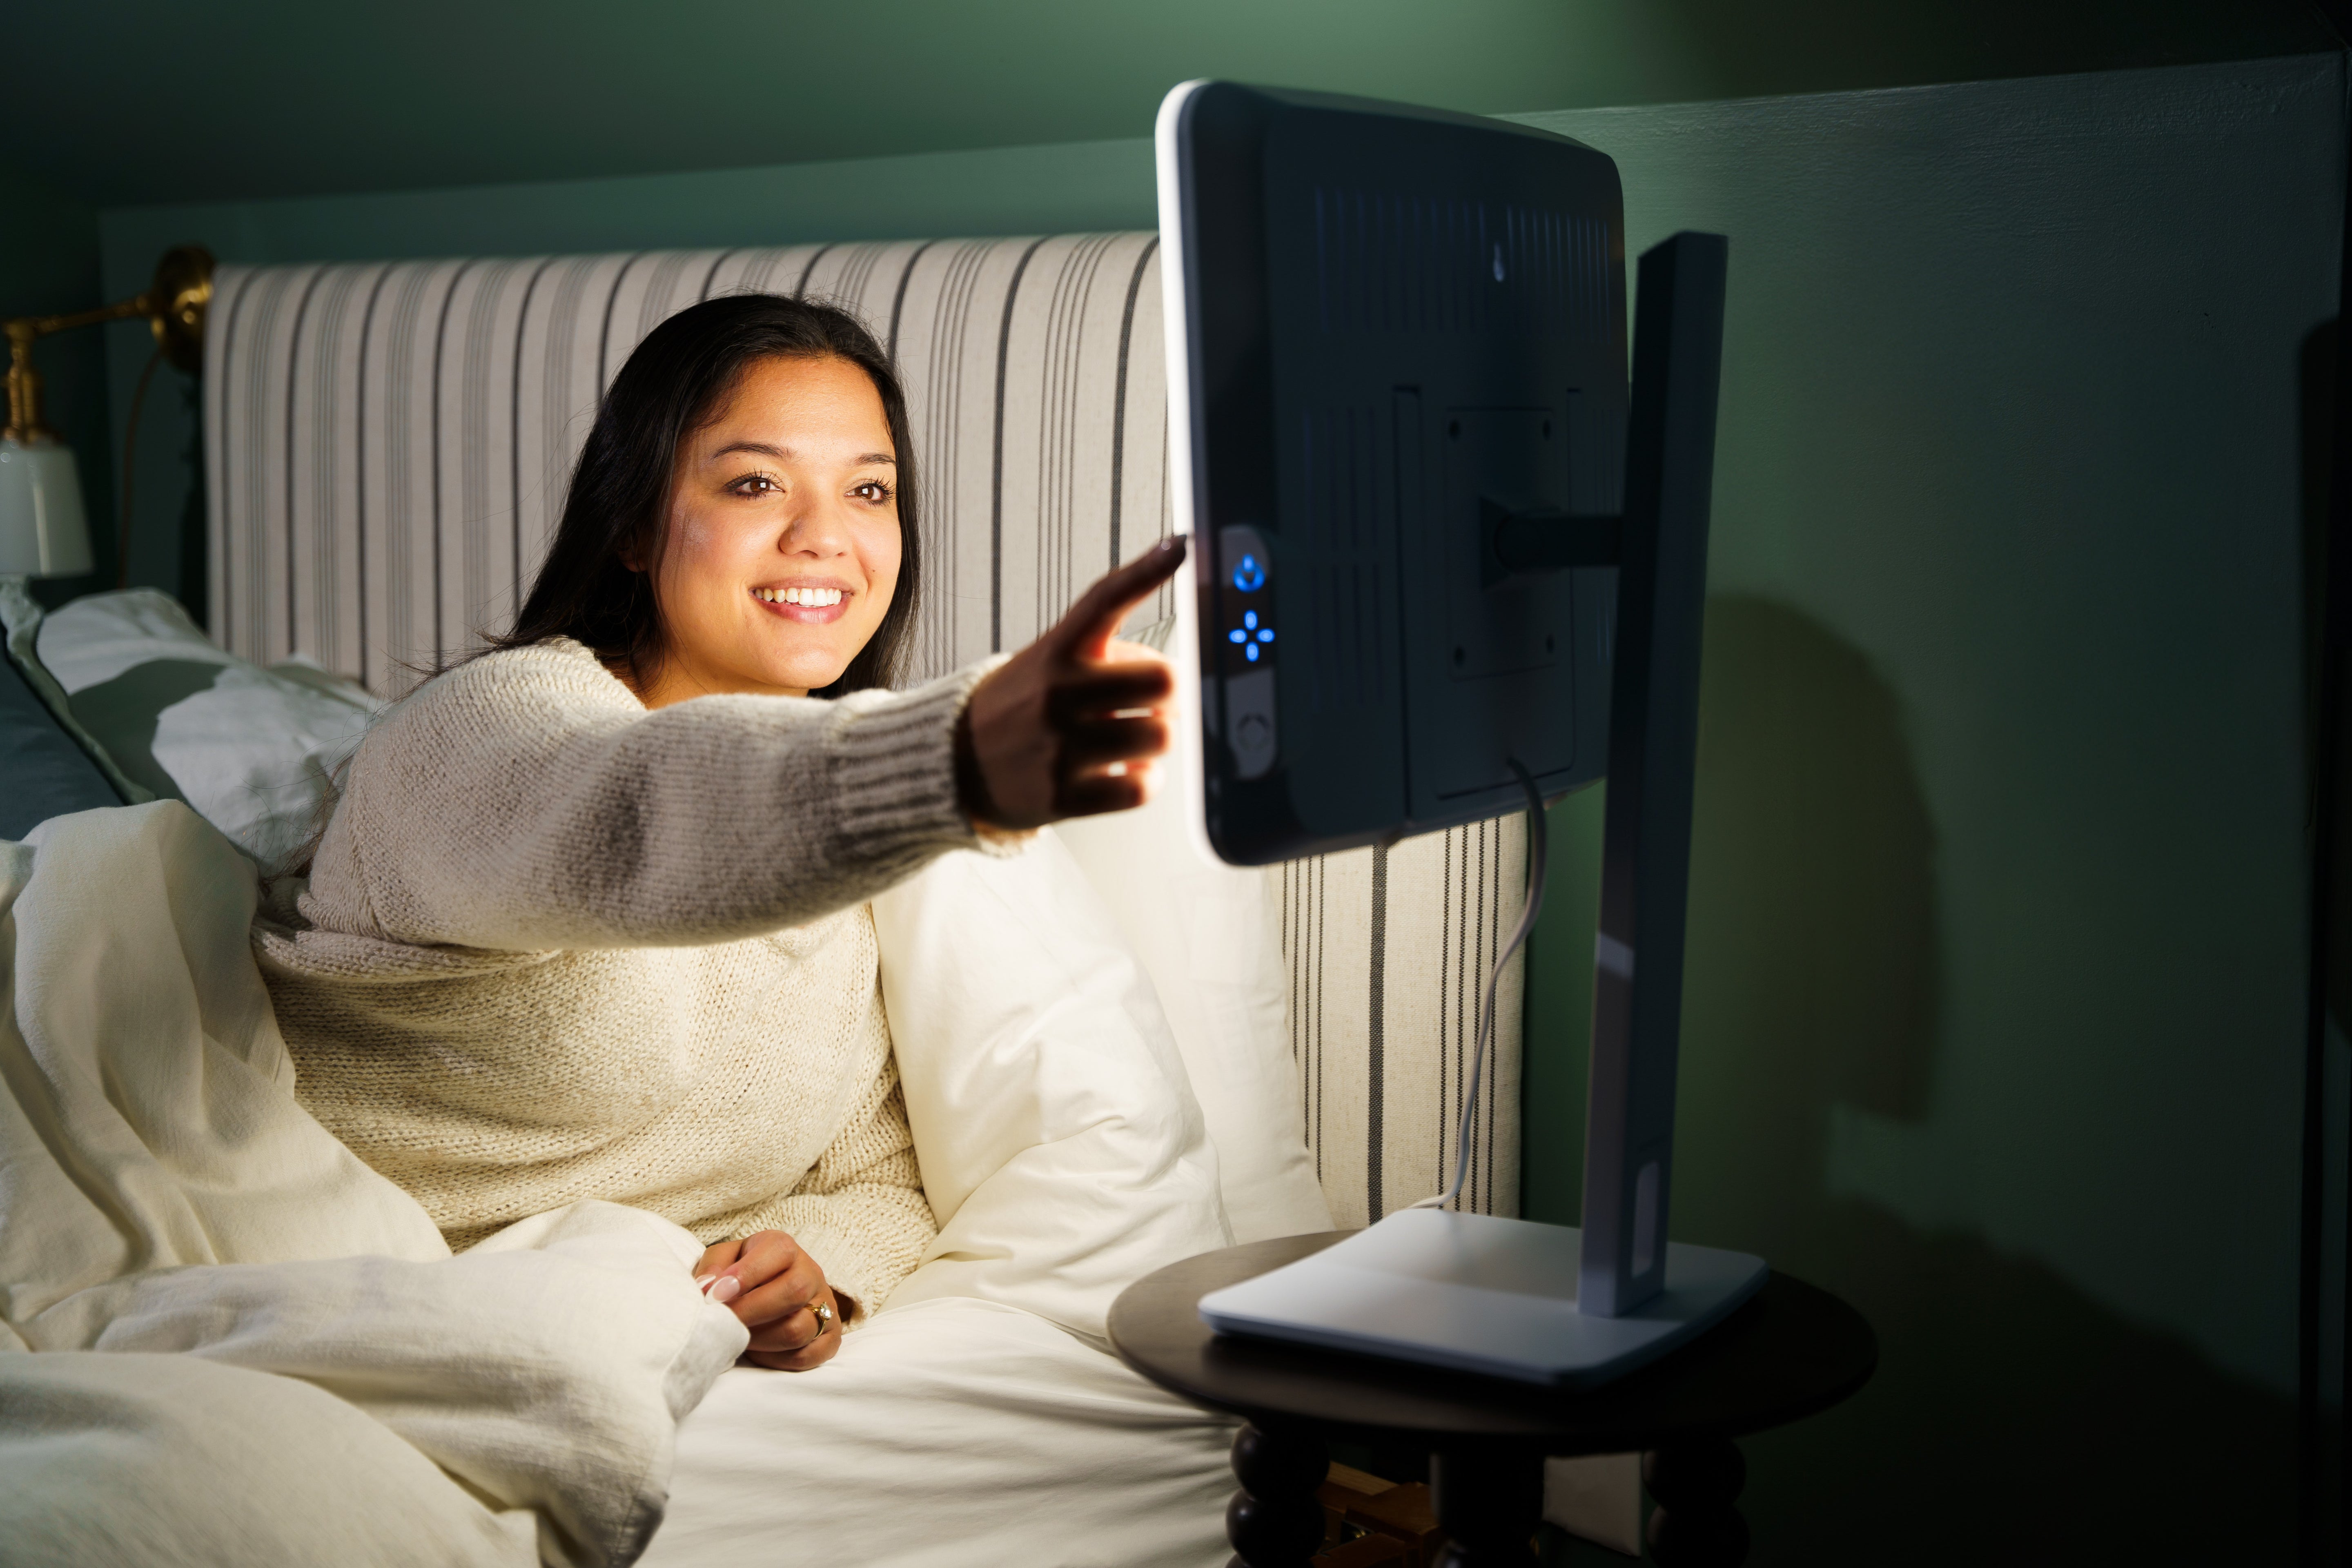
(575, 888)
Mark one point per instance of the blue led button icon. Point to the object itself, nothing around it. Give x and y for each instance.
(1249, 574)
(1249, 636)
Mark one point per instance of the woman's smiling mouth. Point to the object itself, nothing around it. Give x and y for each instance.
(810, 605)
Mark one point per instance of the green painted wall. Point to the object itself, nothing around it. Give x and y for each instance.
(1012, 190)
(1994, 1001)
(273, 98)
(50, 262)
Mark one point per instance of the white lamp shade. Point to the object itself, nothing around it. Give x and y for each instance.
(43, 533)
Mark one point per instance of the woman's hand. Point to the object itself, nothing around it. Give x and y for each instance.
(1042, 733)
(775, 1288)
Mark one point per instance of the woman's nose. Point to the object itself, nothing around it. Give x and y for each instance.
(820, 529)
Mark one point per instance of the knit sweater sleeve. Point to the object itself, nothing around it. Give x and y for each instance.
(526, 802)
(860, 1212)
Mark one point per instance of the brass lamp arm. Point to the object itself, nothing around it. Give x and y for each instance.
(25, 329)
(174, 307)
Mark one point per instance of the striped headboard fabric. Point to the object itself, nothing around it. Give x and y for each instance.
(387, 447)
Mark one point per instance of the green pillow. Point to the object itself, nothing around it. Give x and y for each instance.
(22, 614)
(254, 751)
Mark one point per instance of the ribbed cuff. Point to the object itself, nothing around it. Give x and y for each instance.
(892, 761)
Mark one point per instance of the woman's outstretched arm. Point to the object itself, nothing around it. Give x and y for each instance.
(526, 802)
(529, 801)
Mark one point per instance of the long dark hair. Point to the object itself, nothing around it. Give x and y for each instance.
(619, 499)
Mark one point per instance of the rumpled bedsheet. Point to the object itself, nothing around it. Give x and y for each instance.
(232, 1341)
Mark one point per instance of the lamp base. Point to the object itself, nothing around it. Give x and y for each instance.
(1479, 1294)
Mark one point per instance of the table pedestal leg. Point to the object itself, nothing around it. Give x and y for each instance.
(1274, 1521)
(1696, 1482)
(1489, 1502)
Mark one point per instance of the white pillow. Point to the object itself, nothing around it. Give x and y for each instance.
(253, 750)
(1208, 934)
(1061, 1147)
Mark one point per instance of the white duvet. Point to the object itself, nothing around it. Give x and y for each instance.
(244, 1347)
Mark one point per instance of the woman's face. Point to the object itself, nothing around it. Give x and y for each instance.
(782, 543)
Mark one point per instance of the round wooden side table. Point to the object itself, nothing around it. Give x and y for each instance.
(1790, 1352)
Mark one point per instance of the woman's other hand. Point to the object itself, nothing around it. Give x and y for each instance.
(1044, 733)
(775, 1288)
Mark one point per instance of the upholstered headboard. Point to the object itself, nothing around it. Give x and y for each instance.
(387, 447)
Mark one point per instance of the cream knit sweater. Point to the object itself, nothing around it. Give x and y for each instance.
(553, 946)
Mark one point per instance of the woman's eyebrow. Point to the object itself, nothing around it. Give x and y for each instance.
(783, 454)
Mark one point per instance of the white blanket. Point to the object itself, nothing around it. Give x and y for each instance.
(952, 1433)
(342, 1390)
(161, 1191)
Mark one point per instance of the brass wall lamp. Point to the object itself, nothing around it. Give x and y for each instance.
(44, 532)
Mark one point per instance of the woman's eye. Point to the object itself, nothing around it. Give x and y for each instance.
(755, 484)
(873, 491)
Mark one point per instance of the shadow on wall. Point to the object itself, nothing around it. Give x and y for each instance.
(2013, 1419)
(1814, 972)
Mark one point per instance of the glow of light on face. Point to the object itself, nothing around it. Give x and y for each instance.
(790, 486)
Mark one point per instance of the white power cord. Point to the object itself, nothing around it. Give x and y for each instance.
(1453, 1195)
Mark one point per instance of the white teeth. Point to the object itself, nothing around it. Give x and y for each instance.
(812, 597)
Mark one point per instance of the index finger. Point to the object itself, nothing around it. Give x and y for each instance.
(1085, 632)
